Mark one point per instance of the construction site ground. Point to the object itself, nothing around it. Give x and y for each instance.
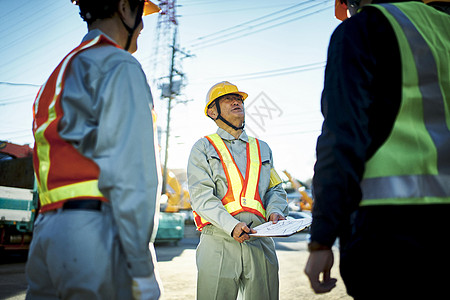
(176, 262)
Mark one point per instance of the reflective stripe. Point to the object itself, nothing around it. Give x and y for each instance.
(234, 177)
(250, 195)
(432, 98)
(87, 188)
(36, 102)
(255, 205)
(233, 207)
(76, 190)
(253, 167)
(199, 221)
(418, 188)
(43, 151)
(406, 187)
(241, 195)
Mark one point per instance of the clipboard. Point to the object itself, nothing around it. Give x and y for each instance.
(282, 228)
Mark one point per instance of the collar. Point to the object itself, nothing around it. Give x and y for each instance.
(92, 34)
(228, 137)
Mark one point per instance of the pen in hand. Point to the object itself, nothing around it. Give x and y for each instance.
(249, 224)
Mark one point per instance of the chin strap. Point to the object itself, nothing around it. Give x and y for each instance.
(136, 24)
(225, 121)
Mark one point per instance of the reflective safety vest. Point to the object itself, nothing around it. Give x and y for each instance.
(61, 171)
(413, 165)
(242, 194)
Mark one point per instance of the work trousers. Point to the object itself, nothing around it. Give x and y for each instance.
(226, 267)
(76, 254)
(397, 253)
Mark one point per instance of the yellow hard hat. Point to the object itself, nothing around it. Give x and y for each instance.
(150, 8)
(221, 89)
(340, 8)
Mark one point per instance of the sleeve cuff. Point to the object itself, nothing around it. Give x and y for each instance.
(323, 231)
(140, 267)
(274, 211)
(315, 246)
(229, 227)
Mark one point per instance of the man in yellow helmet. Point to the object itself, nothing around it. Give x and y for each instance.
(232, 184)
(96, 166)
(382, 176)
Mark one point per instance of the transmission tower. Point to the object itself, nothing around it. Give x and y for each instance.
(166, 66)
(166, 29)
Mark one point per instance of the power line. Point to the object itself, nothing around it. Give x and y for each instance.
(15, 102)
(8, 12)
(223, 31)
(281, 71)
(221, 12)
(21, 21)
(215, 42)
(208, 2)
(27, 95)
(275, 72)
(41, 45)
(19, 84)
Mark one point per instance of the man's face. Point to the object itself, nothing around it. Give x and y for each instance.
(137, 32)
(232, 108)
(130, 19)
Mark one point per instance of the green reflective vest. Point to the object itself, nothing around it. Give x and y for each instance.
(413, 165)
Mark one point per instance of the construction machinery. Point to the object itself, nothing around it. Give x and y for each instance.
(18, 196)
(177, 196)
(301, 201)
(19, 201)
(175, 210)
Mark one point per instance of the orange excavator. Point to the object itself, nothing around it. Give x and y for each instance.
(175, 211)
(177, 196)
(306, 201)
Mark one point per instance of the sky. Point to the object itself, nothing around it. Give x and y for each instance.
(273, 50)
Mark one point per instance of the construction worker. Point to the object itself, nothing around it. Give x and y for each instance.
(233, 184)
(96, 166)
(382, 176)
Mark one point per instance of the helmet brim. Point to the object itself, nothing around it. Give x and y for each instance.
(242, 94)
(150, 8)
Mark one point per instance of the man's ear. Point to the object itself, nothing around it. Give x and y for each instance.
(212, 112)
(123, 8)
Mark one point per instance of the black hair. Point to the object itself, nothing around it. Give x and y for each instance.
(91, 10)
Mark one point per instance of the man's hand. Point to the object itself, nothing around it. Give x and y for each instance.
(275, 217)
(320, 262)
(238, 230)
(146, 288)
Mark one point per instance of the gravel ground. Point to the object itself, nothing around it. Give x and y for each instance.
(178, 271)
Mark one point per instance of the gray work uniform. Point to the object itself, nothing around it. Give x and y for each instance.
(88, 254)
(225, 266)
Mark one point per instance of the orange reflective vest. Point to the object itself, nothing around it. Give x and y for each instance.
(61, 171)
(242, 195)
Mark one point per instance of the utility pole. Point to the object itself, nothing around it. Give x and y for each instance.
(166, 40)
(169, 108)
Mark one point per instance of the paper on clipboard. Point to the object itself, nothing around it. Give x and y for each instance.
(282, 228)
